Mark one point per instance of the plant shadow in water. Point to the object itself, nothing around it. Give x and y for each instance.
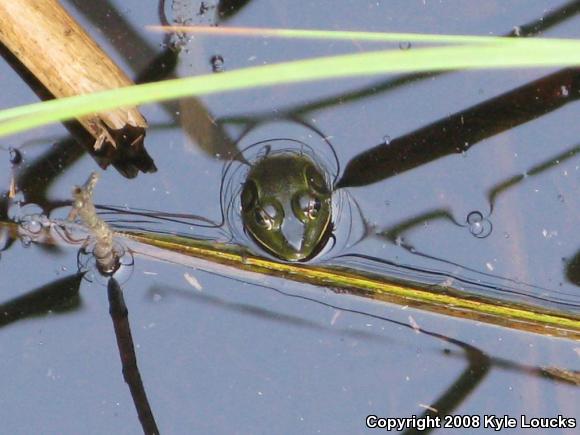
(408, 152)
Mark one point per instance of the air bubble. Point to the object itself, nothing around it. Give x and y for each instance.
(33, 224)
(217, 63)
(87, 262)
(474, 217)
(476, 228)
(479, 226)
(15, 156)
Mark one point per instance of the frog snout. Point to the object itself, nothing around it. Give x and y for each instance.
(293, 231)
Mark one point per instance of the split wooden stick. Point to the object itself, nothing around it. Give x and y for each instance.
(67, 61)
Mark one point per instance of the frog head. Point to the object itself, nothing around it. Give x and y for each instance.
(286, 206)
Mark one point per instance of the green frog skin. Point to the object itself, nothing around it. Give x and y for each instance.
(287, 206)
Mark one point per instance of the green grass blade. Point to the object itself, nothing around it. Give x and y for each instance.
(521, 53)
(340, 35)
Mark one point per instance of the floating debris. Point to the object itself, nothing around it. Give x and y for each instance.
(12, 188)
(569, 376)
(83, 207)
(548, 234)
(203, 8)
(414, 325)
(192, 280)
(335, 317)
(26, 241)
(448, 282)
(430, 408)
(157, 297)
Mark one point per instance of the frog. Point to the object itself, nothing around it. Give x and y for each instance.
(286, 206)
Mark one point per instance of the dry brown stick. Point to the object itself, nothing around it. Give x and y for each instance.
(67, 61)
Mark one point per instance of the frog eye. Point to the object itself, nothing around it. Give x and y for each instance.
(315, 180)
(249, 195)
(306, 206)
(268, 217)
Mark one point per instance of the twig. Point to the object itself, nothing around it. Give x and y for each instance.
(68, 62)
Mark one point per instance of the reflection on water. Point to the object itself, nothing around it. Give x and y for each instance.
(482, 201)
(389, 159)
(353, 229)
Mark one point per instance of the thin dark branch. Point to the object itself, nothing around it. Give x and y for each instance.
(460, 131)
(120, 317)
(61, 295)
(478, 366)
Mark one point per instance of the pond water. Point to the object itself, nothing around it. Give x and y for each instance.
(468, 179)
